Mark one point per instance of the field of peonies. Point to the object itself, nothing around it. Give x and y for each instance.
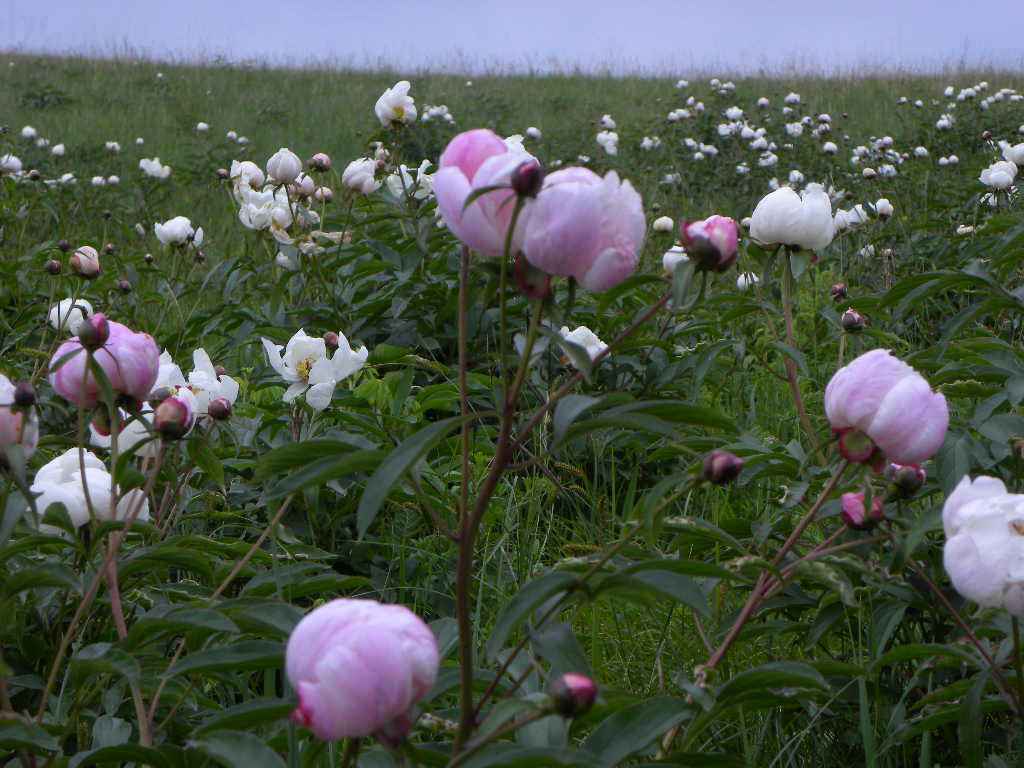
(685, 429)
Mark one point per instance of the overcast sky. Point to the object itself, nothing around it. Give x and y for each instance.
(666, 36)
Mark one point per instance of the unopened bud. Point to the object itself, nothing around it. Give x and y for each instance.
(124, 286)
(986, 135)
(527, 178)
(855, 446)
(853, 321)
(172, 419)
(331, 340)
(722, 467)
(106, 215)
(222, 174)
(148, 258)
(94, 331)
(906, 479)
(34, 175)
(573, 694)
(856, 516)
(64, 245)
(53, 267)
(533, 283)
(219, 409)
(25, 394)
(160, 394)
(220, 370)
(109, 248)
(199, 257)
(838, 291)
(320, 162)
(85, 262)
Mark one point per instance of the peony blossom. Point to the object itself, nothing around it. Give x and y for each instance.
(584, 337)
(395, 106)
(176, 231)
(269, 209)
(880, 396)
(1013, 153)
(475, 160)
(130, 360)
(999, 175)
(712, 242)
(245, 175)
(663, 224)
(284, 166)
(9, 164)
(154, 169)
(984, 550)
(304, 364)
(17, 426)
(68, 314)
(358, 667)
(883, 208)
(784, 217)
(359, 176)
(403, 183)
(61, 481)
(586, 227)
(673, 257)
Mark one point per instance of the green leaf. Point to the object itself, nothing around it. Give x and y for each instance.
(238, 750)
(246, 715)
(685, 290)
(793, 354)
(505, 755)
(525, 601)
(48, 575)
(398, 462)
(326, 469)
(122, 754)
(249, 654)
(105, 658)
(774, 674)
(202, 455)
(630, 730)
(664, 583)
(17, 734)
(567, 411)
(972, 721)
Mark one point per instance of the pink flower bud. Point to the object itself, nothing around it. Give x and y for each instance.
(219, 409)
(18, 422)
(712, 242)
(320, 162)
(853, 321)
(475, 160)
(358, 667)
(891, 403)
(586, 227)
(174, 417)
(838, 291)
(94, 331)
(85, 262)
(130, 360)
(722, 467)
(856, 516)
(573, 694)
(527, 179)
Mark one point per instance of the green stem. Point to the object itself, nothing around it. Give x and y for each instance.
(791, 369)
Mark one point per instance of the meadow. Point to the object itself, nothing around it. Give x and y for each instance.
(660, 506)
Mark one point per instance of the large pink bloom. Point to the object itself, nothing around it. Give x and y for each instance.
(358, 667)
(475, 160)
(586, 227)
(130, 360)
(891, 403)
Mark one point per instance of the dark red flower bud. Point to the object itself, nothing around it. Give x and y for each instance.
(573, 694)
(222, 174)
(109, 248)
(53, 267)
(527, 179)
(219, 409)
(173, 418)
(838, 292)
(906, 479)
(25, 394)
(722, 467)
(64, 245)
(94, 331)
(331, 340)
(853, 321)
(124, 286)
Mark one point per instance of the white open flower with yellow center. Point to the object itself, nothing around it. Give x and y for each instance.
(395, 105)
(305, 365)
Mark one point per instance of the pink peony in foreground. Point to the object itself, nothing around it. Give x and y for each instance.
(358, 667)
(885, 399)
(130, 360)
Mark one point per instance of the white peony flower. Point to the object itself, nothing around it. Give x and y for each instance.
(68, 314)
(663, 224)
(1013, 153)
(176, 231)
(359, 175)
(608, 123)
(785, 217)
(304, 364)
(609, 142)
(585, 338)
(402, 182)
(153, 168)
(533, 133)
(984, 551)
(284, 166)
(999, 175)
(395, 105)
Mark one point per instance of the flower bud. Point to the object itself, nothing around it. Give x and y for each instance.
(838, 292)
(124, 286)
(986, 135)
(24, 394)
(320, 162)
(712, 243)
(722, 467)
(223, 174)
(199, 257)
(856, 516)
(109, 248)
(85, 262)
(331, 340)
(284, 166)
(34, 175)
(148, 258)
(527, 178)
(855, 446)
(64, 245)
(573, 694)
(53, 267)
(220, 370)
(906, 479)
(219, 409)
(533, 283)
(853, 321)
(173, 418)
(94, 331)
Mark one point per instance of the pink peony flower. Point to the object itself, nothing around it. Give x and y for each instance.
(358, 667)
(712, 242)
(474, 160)
(130, 360)
(856, 516)
(888, 401)
(586, 227)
